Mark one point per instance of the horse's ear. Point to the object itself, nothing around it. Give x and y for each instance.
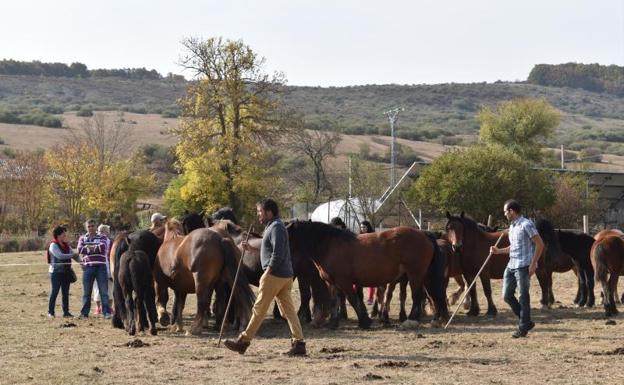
(462, 215)
(448, 215)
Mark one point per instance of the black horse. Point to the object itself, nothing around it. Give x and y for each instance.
(135, 276)
(143, 240)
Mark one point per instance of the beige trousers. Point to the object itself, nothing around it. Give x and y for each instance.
(279, 288)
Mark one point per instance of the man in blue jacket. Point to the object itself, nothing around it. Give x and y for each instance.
(275, 283)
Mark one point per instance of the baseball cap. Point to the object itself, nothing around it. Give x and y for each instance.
(158, 217)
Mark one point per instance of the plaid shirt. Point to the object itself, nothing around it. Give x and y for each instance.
(521, 248)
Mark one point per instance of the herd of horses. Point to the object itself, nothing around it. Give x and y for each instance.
(200, 255)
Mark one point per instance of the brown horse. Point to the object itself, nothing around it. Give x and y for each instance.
(607, 256)
(373, 259)
(198, 263)
(472, 245)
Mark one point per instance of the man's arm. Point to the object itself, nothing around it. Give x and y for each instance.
(539, 248)
(278, 241)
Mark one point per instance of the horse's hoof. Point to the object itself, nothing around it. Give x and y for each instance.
(409, 325)
(365, 323)
(545, 307)
(332, 324)
(153, 331)
(164, 320)
(177, 329)
(473, 313)
(436, 324)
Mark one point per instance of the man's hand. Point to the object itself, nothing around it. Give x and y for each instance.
(494, 250)
(532, 268)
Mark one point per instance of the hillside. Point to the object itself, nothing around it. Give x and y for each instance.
(442, 113)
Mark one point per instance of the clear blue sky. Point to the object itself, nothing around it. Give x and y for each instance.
(326, 42)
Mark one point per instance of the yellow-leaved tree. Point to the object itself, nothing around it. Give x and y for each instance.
(230, 116)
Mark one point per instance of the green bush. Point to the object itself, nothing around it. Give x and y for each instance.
(85, 112)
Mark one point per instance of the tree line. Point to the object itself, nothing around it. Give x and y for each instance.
(590, 77)
(74, 70)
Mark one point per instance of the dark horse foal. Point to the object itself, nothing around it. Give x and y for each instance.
(375, 259)
(135, 276)
(565, 250)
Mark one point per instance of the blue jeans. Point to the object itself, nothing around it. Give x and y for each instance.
(59, 281)
(94, 273)
(518, 278)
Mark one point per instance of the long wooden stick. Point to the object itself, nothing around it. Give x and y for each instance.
(463, 297)
(227, 308)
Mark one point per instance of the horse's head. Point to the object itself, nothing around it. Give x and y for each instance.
(224, 213)
(192, 221)
(173, 228)
(227, 228)
(455, 231)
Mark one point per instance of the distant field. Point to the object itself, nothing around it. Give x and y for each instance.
(568, 346)
(152, 128)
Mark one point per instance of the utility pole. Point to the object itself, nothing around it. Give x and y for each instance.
(392, 117)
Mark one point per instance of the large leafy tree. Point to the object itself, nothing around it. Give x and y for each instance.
(229, 111)
(521, 125)
(479, 180)
(574, 199)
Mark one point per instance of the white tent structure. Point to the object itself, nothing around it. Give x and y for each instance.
(350, 211)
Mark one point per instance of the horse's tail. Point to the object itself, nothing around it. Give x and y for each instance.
(121, 245)
(601, 269)
(244, 297)
(436, 278)
(141, 277)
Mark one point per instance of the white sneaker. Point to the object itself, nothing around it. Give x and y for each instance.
(50, 315)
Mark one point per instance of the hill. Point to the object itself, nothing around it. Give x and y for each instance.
(443, 113)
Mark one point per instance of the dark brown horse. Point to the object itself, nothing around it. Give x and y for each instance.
(564, 251)
(137, 285)
(472, 245)
(198, 263)
(607, 256)
(374, 259)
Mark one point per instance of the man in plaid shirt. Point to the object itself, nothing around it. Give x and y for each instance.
(525, 248)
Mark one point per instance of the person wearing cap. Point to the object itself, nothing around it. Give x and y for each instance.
(104, 231)
(157, 221)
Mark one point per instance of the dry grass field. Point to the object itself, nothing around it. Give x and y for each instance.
(568, 346)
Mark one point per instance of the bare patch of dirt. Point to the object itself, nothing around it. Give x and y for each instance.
(392, 364)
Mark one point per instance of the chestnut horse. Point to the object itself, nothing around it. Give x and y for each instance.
(472, 245)
(198, 263)
(374, 259)
(607, 256)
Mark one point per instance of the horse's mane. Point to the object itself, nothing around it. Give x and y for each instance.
(322, 231)
(173, 229)
(546, 230)
(224, 213)
(468, 223)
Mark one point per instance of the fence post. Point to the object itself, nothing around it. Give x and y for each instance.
(586, 224)
(489, 221)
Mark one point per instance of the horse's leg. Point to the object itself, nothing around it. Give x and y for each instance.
(543, 282)
(402, 297)
(130, 308)
(589, 286)
(487, 291)
(474, 303)
(343, 305)
(162, 296)
(613, 280)
(580, 276)
(150, 307)
(583, 296)
(417, 299)
(180, 300)
(334, 318)
(380, 293)
(384, 312)
(364, 321)
(140, 309)
(203, 293)
(305, 293)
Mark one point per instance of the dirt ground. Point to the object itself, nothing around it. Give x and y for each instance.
(568, 346)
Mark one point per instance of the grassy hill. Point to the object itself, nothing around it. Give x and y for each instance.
(443, 113)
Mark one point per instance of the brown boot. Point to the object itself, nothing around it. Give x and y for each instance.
(238, 345)
(298, 349)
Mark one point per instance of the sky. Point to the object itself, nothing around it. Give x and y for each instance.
(325, 43)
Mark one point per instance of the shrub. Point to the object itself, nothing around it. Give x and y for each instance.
(86, 112)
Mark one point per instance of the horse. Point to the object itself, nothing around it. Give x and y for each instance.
(311, 286)
(143, 240)
(198, 263)
(373, 259)
(135, 275)
(607, 256)
(472, 245)
(565, 250)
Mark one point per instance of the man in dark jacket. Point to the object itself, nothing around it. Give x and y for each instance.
(275, 283)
